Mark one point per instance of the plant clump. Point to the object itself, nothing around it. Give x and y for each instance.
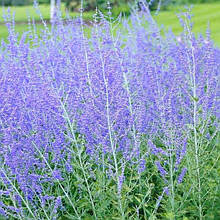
(115, 124)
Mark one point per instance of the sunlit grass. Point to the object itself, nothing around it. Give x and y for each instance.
(22, 13)
(203, 14)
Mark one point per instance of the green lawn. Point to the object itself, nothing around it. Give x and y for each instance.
(203, 13)
(22, 13)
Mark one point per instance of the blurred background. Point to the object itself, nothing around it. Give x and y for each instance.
(91, 4)
(73, 5)
(205, 11)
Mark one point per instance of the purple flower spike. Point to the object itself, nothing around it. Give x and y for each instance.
(162, 171)
(181, 176)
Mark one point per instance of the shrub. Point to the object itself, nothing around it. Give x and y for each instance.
(15, 2)
(121, 124)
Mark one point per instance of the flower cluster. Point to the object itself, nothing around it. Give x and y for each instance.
(126, 97)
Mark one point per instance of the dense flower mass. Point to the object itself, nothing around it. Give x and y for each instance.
(83, 113)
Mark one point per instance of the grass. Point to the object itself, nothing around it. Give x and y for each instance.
(203, 13)
(21, 15)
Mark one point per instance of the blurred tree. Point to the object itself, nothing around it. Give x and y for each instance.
(54, 8)
(91, 4)
(43, 1)
(15, 2)
(73, 5)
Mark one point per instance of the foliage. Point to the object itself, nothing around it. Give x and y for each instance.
(43, 1)
(91, 4)
(74, 5)
(15, 2)
(102, 4)
(114, 125)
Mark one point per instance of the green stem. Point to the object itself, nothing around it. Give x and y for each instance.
(196, 145)
(66, 194)
(109, 126)
(24, 201)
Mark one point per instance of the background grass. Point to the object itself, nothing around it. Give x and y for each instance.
(203, 14)
(22, 13)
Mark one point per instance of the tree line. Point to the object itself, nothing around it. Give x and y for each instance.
(91, 4)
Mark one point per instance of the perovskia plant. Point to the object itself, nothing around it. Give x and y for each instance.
(119, 124)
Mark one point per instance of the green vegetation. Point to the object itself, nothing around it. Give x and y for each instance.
(203, 13)
(22, 13)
